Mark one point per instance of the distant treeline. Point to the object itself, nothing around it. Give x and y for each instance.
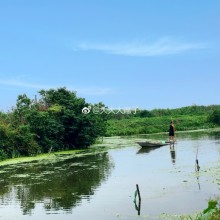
(157, 120)
(54, 122)
(194, 110)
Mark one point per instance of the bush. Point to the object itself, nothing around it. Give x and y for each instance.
(54, 122)
(214, 117)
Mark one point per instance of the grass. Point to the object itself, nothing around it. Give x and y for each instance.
(152, 125)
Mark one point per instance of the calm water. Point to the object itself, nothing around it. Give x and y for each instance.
(102, 185)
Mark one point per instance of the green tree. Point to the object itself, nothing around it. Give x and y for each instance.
(47, 130)
(145, 113)
(22, 107)
(214, 117)
(54, 122)
(64, 122)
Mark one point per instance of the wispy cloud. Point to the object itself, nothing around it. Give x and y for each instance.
(94, 91)
(19, 83)
(164, 46)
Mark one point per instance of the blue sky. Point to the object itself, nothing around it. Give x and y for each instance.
(125, 53)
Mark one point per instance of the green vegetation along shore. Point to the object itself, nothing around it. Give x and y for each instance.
(158, 120)
(59, 120)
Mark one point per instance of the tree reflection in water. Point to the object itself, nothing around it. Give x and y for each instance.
(59, 185)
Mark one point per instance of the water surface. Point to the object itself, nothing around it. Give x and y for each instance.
(101, 185)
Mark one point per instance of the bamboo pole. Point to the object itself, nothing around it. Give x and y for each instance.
(139, 195)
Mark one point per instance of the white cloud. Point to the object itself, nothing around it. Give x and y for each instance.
(18, 83)
(93, 91)
(164, 46)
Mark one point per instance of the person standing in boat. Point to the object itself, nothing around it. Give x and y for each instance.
(171, 131)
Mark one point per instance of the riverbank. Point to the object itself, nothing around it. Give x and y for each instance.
(48, 157)
(104, 144)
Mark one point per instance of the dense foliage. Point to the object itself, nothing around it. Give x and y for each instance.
(54, 122)
(158, 120)
(214, 117)
(194, 110)
(156, 124)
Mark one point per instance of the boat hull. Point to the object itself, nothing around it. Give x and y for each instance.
(154, 143)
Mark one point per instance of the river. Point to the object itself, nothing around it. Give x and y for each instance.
(100, 183)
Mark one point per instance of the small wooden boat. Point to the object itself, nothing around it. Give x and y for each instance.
(153, 143)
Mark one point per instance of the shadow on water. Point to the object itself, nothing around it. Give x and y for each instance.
(137, 204)
(149, 149)
(144, 150)
(197, 167)
(58, 186)
(173, 153)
